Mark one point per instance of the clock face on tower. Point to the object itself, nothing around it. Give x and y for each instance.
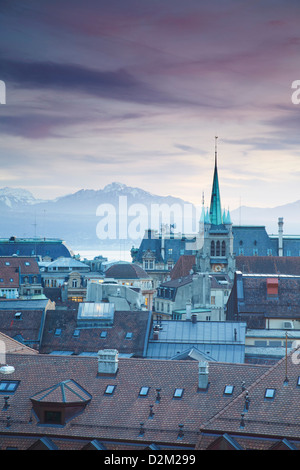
(216, 268)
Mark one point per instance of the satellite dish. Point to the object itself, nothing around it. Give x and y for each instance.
(7, 369)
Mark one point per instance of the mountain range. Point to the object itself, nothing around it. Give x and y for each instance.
(82, 218)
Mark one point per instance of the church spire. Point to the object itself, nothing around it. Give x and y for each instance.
(215, 203)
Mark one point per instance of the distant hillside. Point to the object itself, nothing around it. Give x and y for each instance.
(74, 217)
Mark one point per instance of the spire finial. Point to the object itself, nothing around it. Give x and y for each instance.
(202, 198)
(216, 151)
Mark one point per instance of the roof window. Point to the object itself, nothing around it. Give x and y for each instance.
(228, 390)
(110, 389)
(7, 263)
(57, 332)
(128, 336)
(76, 333)
(144, 391)
(178, 393)
(103, 334)
(8, 386)
(270, 393)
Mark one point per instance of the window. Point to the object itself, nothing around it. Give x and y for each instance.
(52, 417)
(18, 315)
(270, 393)
(218, 248)
(223, 248)
(144, 391)
(74, 283)
(11, 279)
(241, 251)
(145, 264)
(298, 382)
(57, 332)
(103, 334)
(178, 393)
(110, 389)
(76, 333)
(7, 263)
(228, 390)
(212, 248)
(27, 263)
(8, 386)
(128, 336)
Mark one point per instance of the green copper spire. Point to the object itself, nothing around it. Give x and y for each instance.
(215, 202)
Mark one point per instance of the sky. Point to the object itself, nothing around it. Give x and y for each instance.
(135, 91)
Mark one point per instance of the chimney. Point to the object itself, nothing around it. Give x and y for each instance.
(108, 360)
(188, 310)
(280, 236)
(272, 286)
(203, 375)
(156, 332)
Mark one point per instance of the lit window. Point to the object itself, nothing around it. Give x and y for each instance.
(110, 389)
(270, 393)
(228, 390)
(178, 393)
(103, 334)
(11, 279)
(144, 391)
(8, 385)
(27, 263)
(7, 263)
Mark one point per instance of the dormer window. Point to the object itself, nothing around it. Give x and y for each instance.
(58, 404)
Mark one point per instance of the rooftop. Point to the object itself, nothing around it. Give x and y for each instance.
(117, 415)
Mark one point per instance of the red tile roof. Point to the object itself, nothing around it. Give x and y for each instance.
(183, 266)
(276, 417)
(26, 264)
(9, 277)
(116, 419)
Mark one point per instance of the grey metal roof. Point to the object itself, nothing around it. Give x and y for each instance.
(39, 304)
(219, 352)
(223, 341)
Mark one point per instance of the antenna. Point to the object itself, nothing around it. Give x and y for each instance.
(286, 374)
(216, 151)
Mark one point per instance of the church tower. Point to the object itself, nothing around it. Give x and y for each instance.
(216, 254)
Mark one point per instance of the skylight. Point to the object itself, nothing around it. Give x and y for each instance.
(228, 390)
(144, 391)
(103, 334)
(76, 333)
(8, 385)
(110, 389)
(57, 332)
(128, 336)
(270, 393)
(178, 393)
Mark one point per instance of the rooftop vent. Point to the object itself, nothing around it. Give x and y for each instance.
(108, 361)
